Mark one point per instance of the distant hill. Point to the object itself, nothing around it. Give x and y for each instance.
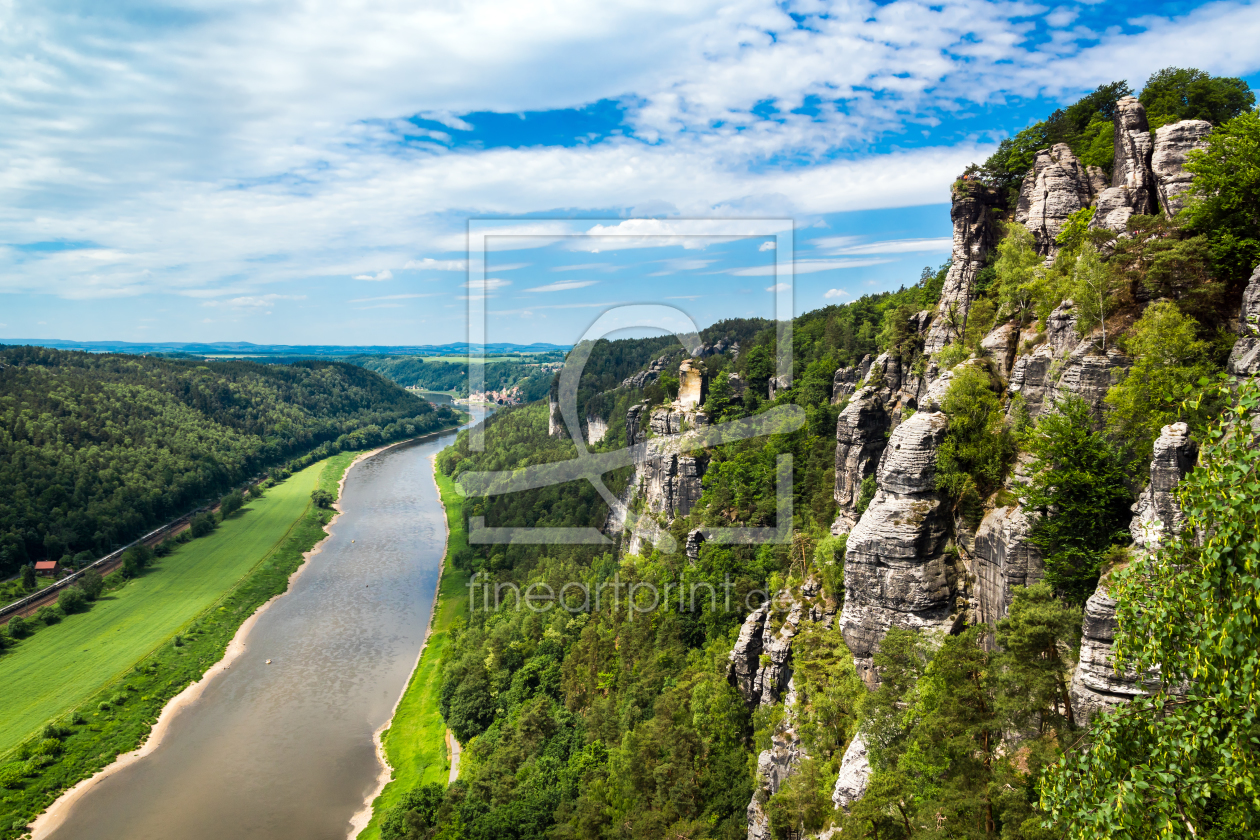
(245, 348)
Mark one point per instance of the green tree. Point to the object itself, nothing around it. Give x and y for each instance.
(415, 816)
(230, 504)
(1079, 496)
(1225, 198)
(971, 462)
(1169, 362)
(322, 498)
(73, 600)
(1094, 288)
(1021, 280)
(718, 401)
(1034, 667)
(1182, 761)
(1176, 93)
(202, 525)
(92, 584)
(28, 576)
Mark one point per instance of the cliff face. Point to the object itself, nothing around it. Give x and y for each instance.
(1132, 187)
(895, 563)
(1244, 359)
(1004, 559)
(1097, 684)
(1172, 143)
(975, 234)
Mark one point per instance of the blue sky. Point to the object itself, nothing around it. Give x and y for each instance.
(276, 171)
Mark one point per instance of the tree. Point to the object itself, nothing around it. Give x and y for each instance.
(92, 584)
(322, 498)
(28, 576)
(1169, 362)
(415, 816)
(1225, 198)
(1175, 94)
(1094, 287)
(1020, 274)
(1181, 761)
(230, 504)
(19, 627)
(73, 600)
(1079, 496)
(202, 524)
(1034, 668)
(972, 460)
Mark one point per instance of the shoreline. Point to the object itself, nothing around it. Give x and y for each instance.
(359, 821)
(52, 817)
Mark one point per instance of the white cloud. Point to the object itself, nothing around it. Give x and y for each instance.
(836, 293)
(848, 245)
(490, 284)
(768, 245)
(562, 286)
(806, 267)
(779, 287)
(392, 297)
(380, 275)
(253, 301)
(428, 264)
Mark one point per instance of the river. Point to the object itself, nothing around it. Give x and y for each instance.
(284, 751)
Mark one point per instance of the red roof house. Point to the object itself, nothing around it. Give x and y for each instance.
(47, 567)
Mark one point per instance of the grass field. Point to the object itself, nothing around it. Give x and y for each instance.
(415, 743)
(61, 666)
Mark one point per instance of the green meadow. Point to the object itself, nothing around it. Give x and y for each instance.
(61, 666)
(415, 744)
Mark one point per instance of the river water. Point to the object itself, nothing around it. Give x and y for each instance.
(284, 751)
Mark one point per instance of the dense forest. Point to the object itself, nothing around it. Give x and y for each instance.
(602, 721)
(96, 449)
(440, 375)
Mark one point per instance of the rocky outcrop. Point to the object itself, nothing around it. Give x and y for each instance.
(1132, 187)
(596, 428)
(1168, 159)
(975, 233)
(1057, 187)
(861, 432)
(693, 384)
(695, 539)
(760, 664)
(1244, 359)
(669, 479)
(555, 421)
(895, 567)
(774, 767)
(1034, 374)
(745, 658)
(1097, 683)
(846, 380)
(1088, 373)
(1004, 559)
(855, 772)
(635, 432)
(648, 375)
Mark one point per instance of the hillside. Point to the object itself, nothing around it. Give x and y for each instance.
(1004, 478)
(96, 449)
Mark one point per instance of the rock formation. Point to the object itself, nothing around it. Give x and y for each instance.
(648, 375)
(1002, 343)
(596, 428)
(861, 432)
(855, 772)
(1057, 187)
(774, 767)
(555, 420)
(895, 564)
(1089, 373)
(1004, 558)
(846, 379)
(693, 385)
(975, 233)
(1172, 142)
(1096, 683)
(1244, 359)
(1132, 187)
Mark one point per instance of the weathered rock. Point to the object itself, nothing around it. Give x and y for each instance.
(1034, 374)
(778, 384)
(1156, 509)
(1056, 188)
(634, 419)
(1097, 684)
(693, 384)
(861, 432)
(845, 381)
(555, 420)
(1132, 187)
(1005, 559)
(766, 682)
(695, 539)
(855, 772)
(1172, 142)
(1244, 359)
(774, 767)
(745, 658)
(670, 480)
(895, 572)
(596, 428)
(1001, 343)
(975, 232)
(738, 386)
(648, 375)
(1089, 373)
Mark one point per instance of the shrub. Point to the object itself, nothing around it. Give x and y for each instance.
(48, 746)
(230, 504)
(255, 491)
(972, 459)
(865, 493)
(202, 524)
(11, 775)
(103, 706)
(72, 600)
(56, 730)
(322, 498)
(19, 627)
(49, 615)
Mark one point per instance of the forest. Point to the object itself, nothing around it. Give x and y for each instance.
(96, 449)
(440, 375)
(610, 722)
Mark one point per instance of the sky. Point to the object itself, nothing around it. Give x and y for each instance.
(305, 172)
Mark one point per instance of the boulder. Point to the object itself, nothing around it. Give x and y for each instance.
(649, 375)
(975, 233)
(1168, 159)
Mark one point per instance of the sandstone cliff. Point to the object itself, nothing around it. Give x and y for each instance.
(975, 234)
(1057, 187)
(1172, 142)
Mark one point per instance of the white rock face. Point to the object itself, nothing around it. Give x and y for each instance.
(1132, 187)
(555, 421)
(861, 432)
(693, 385)
(855, 773)
(975, 233)
(1172, 142)
(596, 428)
(1034, 374)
